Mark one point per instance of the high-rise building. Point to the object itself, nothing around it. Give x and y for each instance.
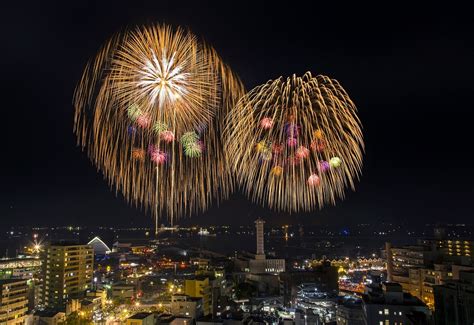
(454, 301)
(13, 301)
(259, 227)
(418, 268)
(67, 273)
(455, 247)
(401, 259)
(260, 264)
(199, 287)
(389, 305)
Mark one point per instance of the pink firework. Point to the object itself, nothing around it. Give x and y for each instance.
(323, 166)
(201, 145)
(151, 148)
(158, 156)
(314, 180)
(302, 152)
(277, 148)
(291, 142)
(266, 123)
(143, 121)
(293, 161)
(318, 145)
(167, 136)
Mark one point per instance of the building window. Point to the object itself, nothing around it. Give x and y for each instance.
(380, 312)
(386, 311)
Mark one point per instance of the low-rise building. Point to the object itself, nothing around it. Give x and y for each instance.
(122, 291)
(199, 287)
(141, 319)
(48, 317)
(185, 306)
(349, 312)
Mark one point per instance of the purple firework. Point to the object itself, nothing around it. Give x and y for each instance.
(292, 130)
(323, 165)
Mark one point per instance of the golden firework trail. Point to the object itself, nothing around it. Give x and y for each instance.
(295, 144)
(149, 110)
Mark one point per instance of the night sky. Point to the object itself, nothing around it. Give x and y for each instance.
(409, 70)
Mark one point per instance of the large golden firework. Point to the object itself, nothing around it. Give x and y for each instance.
(150, 109)
(295, 144)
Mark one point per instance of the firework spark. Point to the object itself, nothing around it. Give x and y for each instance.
(146, 89)
(295, 144)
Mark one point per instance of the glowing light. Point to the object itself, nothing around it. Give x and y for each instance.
(138, 154)
(163, 79)
(143, 121)
(291, 142)
(134, 112)
(153, 85)
(193, 150)
(167, 136)
(318, 145)
(277, 149)
(323, 166)
(313, 122)
(302, 152)
(318, 134)
(314, 180)
(277, 170)
(261, 146)
(159, 127)
(266, 123)
(335, 162)
(189, 138)
(158, 156)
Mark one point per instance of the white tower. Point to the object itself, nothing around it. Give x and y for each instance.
(259, 225)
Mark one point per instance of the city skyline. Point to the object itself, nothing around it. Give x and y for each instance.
(410, 79)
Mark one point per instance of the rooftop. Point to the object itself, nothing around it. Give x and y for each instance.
(64, 243)
(140, 316)
(46, 313)
(408, 300)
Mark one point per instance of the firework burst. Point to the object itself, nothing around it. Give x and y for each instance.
(145, 106)
(311, 127)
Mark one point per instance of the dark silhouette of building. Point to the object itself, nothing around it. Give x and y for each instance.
(454, 301)
(324, 276)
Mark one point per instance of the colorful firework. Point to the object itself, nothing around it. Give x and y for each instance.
(295, 144)
(167, 136)
(146, 88)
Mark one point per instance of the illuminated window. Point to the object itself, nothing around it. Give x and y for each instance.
(386, 311)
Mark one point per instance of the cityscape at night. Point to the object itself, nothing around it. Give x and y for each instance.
(198, 163)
